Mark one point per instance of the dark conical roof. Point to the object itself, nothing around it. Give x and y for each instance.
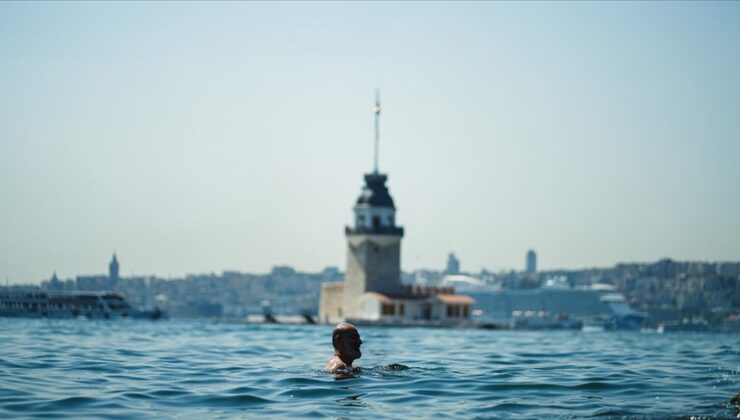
(375, 193)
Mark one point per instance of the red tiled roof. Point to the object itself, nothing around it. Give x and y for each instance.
(456, 299)
(449, 299)
(387, 297)
(379, 296)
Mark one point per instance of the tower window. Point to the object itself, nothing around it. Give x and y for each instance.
(376, 222)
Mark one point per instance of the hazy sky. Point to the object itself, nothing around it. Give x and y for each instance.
(198, 137)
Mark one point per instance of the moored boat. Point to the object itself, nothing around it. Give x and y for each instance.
(30, 303)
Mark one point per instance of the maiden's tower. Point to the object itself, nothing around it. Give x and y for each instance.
(372, 291)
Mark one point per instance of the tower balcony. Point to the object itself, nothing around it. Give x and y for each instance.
(375, 230)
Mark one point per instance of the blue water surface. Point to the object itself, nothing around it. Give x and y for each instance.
(197, 369)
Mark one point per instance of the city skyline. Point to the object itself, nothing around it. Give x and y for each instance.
(113, 273)
(592, 133)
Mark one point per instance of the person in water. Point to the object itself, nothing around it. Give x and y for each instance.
(347, 342)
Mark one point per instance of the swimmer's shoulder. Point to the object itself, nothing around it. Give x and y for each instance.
(342, 371)
(335, 365)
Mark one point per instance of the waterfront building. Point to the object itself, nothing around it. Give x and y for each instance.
(531, 262)
(372, 289)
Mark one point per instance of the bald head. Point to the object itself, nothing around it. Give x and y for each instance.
(346, 341)
(341, 331)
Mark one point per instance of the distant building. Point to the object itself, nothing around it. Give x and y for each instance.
(100, 282)
(665, 269)
(54, 284)
(113, 271)
(331, 271)
(94, 283)
(282, 270)
(453, 264)
(531, 262)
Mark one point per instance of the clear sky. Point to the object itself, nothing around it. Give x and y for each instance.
(198, 137)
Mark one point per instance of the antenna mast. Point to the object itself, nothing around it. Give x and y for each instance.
(376, 109)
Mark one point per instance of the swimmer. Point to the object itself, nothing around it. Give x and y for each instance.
(346, 341)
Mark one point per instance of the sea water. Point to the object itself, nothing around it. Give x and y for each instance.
(200, 369)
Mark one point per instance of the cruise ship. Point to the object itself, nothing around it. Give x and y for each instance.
(554, 305)
(30, 303)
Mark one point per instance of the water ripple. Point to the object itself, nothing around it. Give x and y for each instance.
(79, 368)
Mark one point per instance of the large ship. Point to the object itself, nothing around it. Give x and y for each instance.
(29, 303)
(555, 305)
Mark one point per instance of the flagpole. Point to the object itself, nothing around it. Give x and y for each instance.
(376, 109)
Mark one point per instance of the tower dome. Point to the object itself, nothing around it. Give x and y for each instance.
(374, 210)
(375, 193)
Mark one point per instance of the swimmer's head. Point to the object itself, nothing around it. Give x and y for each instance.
(346, 341)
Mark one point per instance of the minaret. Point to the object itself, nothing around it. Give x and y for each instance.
(374, 241)
(113, 271)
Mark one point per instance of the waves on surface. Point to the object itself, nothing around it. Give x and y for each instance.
(86, 368)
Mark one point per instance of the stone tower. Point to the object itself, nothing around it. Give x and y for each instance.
(373, 244)
(373, 247)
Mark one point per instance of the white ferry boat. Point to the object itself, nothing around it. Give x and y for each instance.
(95, 305)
